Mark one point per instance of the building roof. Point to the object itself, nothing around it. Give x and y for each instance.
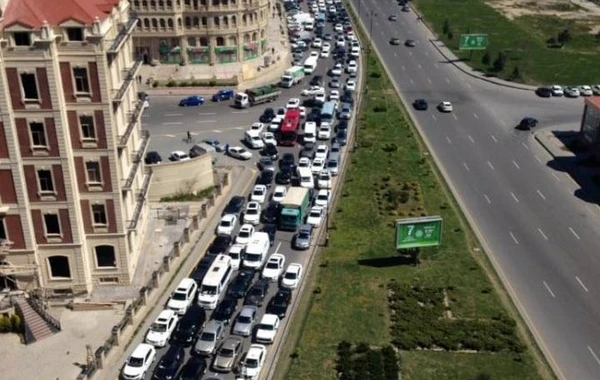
(33, 13)
(594, 101)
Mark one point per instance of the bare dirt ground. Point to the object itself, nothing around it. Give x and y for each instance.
(586, 12)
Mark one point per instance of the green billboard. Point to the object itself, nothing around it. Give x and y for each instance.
(419, 232)
(473, 42)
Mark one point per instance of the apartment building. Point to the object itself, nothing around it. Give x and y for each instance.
(201, 31)
(72, 182)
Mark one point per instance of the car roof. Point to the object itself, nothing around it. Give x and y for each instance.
(213, 325)
(141, 350)
(255, 350)
(248, 309)
(269, 319)
(165, 314)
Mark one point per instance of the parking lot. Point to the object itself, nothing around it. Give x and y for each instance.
(169, 124)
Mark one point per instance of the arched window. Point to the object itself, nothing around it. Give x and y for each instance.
(244, 20)
(204, 21)
(192, 41)
(154, 24)
(162, 23)
(188, 22)
(136, 4)
(170, 23)
(179, 22)
(246, 38)
(226, 22)
(105, 256)
(161, 3)
(233, 21)
(262, 34)
(153, 3)
(144, 3)
(59, 267)
(220, 41)
(216, 22)
(146, 23)
(254, 36)
(196, 22)
(203, 41)
(232, 41)
(169, 4)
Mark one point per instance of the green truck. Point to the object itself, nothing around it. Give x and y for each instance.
(256, 96)
(294, 208)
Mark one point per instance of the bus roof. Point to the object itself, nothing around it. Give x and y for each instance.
(291, 121)
(217, 270)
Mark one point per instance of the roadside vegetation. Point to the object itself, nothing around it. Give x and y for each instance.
(532, 48)
(197, 196)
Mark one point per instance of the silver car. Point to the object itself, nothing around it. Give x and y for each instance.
(228, 355)
(210, 336)
(303, 238)
(245, 321)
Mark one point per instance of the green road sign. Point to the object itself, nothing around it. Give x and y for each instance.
(473, 41)
(419, 232)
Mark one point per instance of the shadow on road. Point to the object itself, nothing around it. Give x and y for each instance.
(392, 261)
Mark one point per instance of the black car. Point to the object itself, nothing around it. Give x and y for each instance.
(284, 176)
(317, 80)
(327, 37)
(544, 92)
(219, 245)
(287, 160)
(420, 104)
(235, 206)
(312, 103)
(341, 137)
(347, 97)
(241, 284)
(193, 369)
(307, 151)
(189, 326)
(258, 292)
(271, 151)
(410, 43)
(169, 364)
(527, 124)
(225, 309)
(271, 230)
(267, 115)
(280, 302)
(152, 158)
(265, 178)
(342, 124)
(202, 268)
(314, 115)
(270, 214)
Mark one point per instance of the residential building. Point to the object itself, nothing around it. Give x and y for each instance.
(72, 181)
(201, 31)
(590, 123)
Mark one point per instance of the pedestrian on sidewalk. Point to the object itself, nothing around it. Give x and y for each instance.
(189, 137)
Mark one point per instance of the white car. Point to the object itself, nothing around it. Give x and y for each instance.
(139, 362)
(586, 90)
(350, 85)
(252, 213)
(183, 296)
(325, 52)
(321, 98)
(239, 153)
(322, 151)
(304, 162)
(314, 54)
(245, 235)
(179, 155)
(352, 67)
(323, 198)
(302, 111)
(324, 179)
(269, 138)
(160, 331)
(313, 90)
(324, 132)
(338, 28)
(317, 43)
(315, 216)
(340, 42)
(572, 92)
(293, 103)
(557, 90)
(274, 267)
(334, 95)
(227, 225)
(292, 276)
(317, 165)
(445, 107)
(275, 124)
(259, 194)
(258, 127)
(326, 45)
(279, 194)
(336, 71)
(267, 329)
(235, 252)
(253, 362)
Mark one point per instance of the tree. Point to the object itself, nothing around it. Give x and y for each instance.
(446, 27)
(598, 36)
(450, 35)
(500, 62)
(516, 74)
(564, 37)
(5, 325)
(486, 59)
(17, 325)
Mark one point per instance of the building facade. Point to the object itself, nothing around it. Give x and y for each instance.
(201, 31)
(72, 182)
(590, 123)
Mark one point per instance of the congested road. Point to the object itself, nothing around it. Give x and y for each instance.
(169, 124)
(534, 222)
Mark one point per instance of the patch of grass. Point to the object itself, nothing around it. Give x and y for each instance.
(523, 40)
(190, 197)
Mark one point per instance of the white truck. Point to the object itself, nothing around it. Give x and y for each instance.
(292, 76)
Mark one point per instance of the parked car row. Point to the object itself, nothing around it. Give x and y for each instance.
(569, 91)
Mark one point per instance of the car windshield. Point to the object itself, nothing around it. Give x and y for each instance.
(225, 223)
(227, 352)
(208, 290)
(207, 337)
(315, 214)
(290, 276)
(177, 296)
(135, 362)
(332, 164)
(252, 211)
(303, 235)
(256, 292)
(273, 265)
(305, 179)
(251, 363)
(234, 255)
(252, 257)
(159, 327)
(266, 327)
(258, 192)
(245, 319)
(244, 233)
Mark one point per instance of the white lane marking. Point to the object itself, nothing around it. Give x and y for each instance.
(419, 65)
(173, 123)
(549, 290)
(490, 165)
(582, 285)
(433, 116)
(494, 138)
(240, 128)
(436, 66)
(593, 354)
(239, 111)
(429, 80)
(409, 53)
(557, 178)
(525, 146)
(514, 197)
(574, 233)
(471, 139)
(454, 116)
(448, 139)
(503, 123)
(447, 80)
(466, 167)
(516, 165)
(543, 234)
(538, 159)
(170, 135)
(513, 237)
(173, 114)
(207, 113)
(217, 131)
(206, 121)
(278, 246)
(395, 54)
(403, 68)
(412, 81)
(475, 116)
(487, 198)
(541, 195)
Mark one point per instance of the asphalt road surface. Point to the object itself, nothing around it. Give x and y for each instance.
(541, 235)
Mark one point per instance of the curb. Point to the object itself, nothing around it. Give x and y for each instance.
(537, 137)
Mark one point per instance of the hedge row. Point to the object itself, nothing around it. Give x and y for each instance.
(11, 324)
(418, 322)
(361, 362)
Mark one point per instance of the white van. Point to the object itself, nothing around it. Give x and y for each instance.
(310, 132)
(215, 282)
(257, 251)
(310, 65)
(355, 52)
(253, 139)
(309, 25)
(305, 177)
(183, 296)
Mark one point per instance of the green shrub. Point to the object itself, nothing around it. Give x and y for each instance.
(5, 324)
(171, 83)
(17, 324)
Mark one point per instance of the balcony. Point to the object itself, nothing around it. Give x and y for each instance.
(129, 79)
(135, 117)
(137, 161)
(123, 34)
(141, 199)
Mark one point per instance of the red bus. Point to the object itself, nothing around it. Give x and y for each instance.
(288, 134)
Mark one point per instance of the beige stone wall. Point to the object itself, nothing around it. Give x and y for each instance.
(181, 177)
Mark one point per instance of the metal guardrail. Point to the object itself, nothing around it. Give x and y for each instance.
(141, 199)
(129, 79)
(135, 116)
(28, 334)
(37, 306)
(137, 161)
(125, 31)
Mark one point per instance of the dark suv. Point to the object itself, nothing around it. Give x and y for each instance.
(528, 123)
(258, 292)
(235, 205)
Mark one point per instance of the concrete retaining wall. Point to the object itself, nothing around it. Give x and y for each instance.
(181, 177)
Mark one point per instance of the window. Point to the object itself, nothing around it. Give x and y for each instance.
(59, 267)
(75, 34)
(92, 169)
(22, 39)
(88, 132)
(38, 135)
(29, 84)
(52, 224)
(105, 256)
(3, 234)
(45, 180)
(82, 84)
(99, 214)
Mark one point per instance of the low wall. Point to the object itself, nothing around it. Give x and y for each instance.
(181, 177)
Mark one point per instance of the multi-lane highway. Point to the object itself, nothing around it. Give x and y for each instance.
(543, 239)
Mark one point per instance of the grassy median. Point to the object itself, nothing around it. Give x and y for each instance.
(391, 176)
(535, 46)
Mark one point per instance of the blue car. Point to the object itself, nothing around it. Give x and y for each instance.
(191, 101)
(223, 95)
